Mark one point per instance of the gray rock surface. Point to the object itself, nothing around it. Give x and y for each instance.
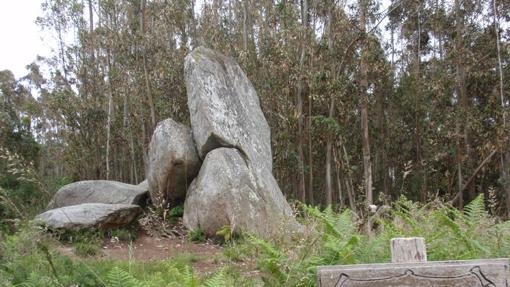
(224, 108)
(144, 185)
(173, 163)
(89, 215)
(227, 192)
(98, 191)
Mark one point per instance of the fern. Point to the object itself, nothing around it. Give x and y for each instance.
(474, 212)
(181, 275)
(120, 278)
(217, 280)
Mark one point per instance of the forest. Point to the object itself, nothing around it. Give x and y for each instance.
(399, 105)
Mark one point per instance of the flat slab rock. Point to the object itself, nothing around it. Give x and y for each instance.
(98, 191)
(225, 109)
(89, 215)
(468, 273)
(173, 163)
(226, 192)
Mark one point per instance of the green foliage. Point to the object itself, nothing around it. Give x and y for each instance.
(196, 235)
(120, 278)
(338, 238)
(225, 232)
(216, 280)
(27, 257)
(85, 249)
(176, 211)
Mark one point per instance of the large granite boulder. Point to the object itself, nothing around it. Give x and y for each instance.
(224, 108)
(173, 163)
(89, 215)
(235, 185)
(98, 191)
(226, 192)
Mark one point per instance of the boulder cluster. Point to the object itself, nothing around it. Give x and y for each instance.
(221, 167)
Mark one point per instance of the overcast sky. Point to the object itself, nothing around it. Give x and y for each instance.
(20, 38)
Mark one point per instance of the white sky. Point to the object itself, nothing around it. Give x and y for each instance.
(20, 38)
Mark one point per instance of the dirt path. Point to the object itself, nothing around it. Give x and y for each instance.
(204, 257)
(146, 248)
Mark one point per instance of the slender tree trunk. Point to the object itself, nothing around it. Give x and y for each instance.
(348, 181)
(367, 163)
(459, 165)
(419, 149)
(150, 100)
(310, 152)
(460, 89)
(329, 143)
(338, 180)
(299, 106)
(505, 152)
(245, 25)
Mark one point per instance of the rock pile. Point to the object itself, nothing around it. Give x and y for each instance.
(221, 168)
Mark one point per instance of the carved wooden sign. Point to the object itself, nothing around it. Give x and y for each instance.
(418, 272)
(471, 273)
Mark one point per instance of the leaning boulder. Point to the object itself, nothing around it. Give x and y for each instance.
(98, 191)
(173, 163)
(89, 215)
(227, 193)
(224, 108)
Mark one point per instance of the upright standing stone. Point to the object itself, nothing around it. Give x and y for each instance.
(172, 163)
(224, 108)
(235, 185)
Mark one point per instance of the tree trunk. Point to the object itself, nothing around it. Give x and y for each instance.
(338, 180)
(460, 90)
(299, 105)
(367, 163)
(419, 149)
(329, 144)
(348, 181)
(150, 100)
(505, 151)
(245, 25)
(310, 152)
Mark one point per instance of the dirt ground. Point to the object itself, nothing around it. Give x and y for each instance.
(146, 248)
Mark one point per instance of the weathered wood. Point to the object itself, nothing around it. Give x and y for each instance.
(471, 273)
(410, 249)
(409, 268)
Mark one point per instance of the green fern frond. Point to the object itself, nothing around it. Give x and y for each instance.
(475, 212)
(181, 275)
(120, 278)
(217, 280)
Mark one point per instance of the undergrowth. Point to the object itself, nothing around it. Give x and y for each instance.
(28, 257)
(335, 238)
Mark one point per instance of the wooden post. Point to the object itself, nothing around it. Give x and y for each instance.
(408, 250)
